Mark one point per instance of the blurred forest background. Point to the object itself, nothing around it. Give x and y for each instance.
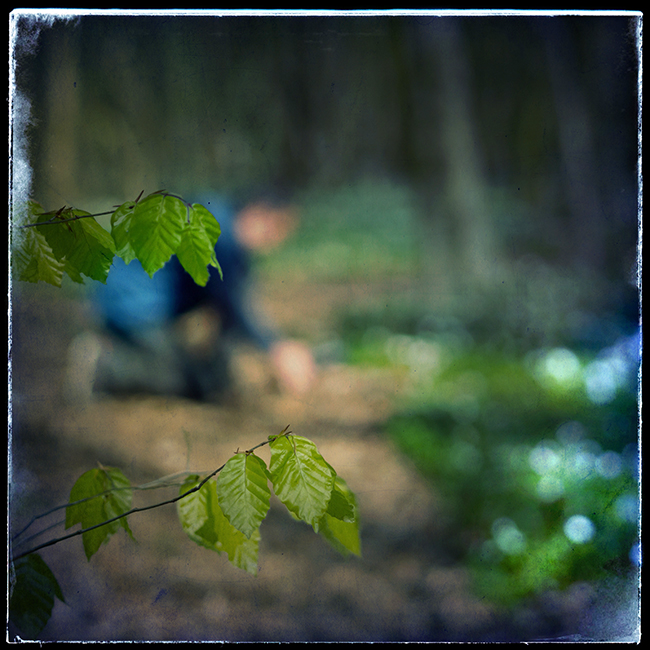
(468, 199)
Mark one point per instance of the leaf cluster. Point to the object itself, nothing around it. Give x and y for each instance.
(71, 241)
(223, 514)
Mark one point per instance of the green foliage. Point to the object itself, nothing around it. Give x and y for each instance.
(340, 524)
(534, 455)
(33, 588)
(97, 496)
(243, 491)
(83, 245)
(301, 478)
(204, 521)
(150, 230)
(36, 261)
(536, 476)
(196, 248)
(222, 515)
(225, 515)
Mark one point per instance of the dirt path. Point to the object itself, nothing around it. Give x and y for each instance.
(407, 585)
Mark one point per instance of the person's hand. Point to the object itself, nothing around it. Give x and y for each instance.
(294, 364)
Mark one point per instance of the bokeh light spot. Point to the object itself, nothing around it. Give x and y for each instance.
(508, 538)
(562, 364)
(544, 459)
(579, 529)
(609, 465)
(550, 488)
(626, 508)
(600, 382)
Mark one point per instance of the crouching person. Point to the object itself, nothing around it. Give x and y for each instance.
(166, 335)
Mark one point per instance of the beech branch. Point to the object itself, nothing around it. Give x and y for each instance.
(57, 218)
(196, 488)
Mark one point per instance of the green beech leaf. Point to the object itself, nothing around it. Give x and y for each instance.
(32, 592)
(192, 509)
(204, 522)
(120, 230)
(196, 249)
(80, 247)
(150, 230)
(153, 230)
(94, 250)
(301, 478)
(242, 552)
(342, 504)
(243, 491)
(341, 532)
(32, 257)
(83, 245)
(35, 261)
(93, 511)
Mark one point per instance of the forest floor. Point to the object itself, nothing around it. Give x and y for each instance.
(408, 585)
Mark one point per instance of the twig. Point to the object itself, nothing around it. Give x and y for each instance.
(196, 488)
(56, 540)
(58, 220)
(152, 485)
